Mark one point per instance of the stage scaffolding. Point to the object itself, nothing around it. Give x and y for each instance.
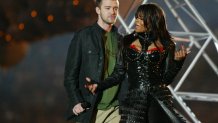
(192, 38)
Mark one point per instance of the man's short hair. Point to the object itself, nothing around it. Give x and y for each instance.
(98, 3)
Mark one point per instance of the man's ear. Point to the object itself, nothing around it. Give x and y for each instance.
(97, 9)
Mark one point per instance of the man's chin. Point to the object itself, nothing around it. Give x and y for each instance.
(112, 22)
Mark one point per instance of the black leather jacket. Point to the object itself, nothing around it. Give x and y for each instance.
(85, 59)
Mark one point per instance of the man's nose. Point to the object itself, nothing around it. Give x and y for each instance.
(113, 11)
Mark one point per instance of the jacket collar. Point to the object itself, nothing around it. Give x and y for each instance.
(114, 28)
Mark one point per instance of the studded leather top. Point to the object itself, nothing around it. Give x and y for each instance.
(144, 68)
(149, 67)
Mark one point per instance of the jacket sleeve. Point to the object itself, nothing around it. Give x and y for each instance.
(172, 66)
(72, 68)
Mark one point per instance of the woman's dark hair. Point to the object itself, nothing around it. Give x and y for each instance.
(154, 21)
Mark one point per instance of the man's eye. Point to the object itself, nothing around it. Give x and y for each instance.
(115, 8)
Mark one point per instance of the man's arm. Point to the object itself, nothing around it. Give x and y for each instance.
(72, 70)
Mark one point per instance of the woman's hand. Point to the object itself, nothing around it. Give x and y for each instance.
(181, 53)
(91, 86)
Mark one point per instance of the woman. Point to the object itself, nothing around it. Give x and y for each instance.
(149, 58)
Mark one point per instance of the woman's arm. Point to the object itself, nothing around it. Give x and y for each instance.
(174, 63)
(115, 78)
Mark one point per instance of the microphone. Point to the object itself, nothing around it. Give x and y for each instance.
(85, 105)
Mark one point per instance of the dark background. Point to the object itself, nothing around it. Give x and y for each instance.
(34, 38)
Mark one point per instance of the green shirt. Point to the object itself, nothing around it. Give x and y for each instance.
(109, 96)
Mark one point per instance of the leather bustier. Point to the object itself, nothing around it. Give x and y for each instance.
(144, 68)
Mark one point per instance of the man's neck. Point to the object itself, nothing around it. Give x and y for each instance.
(105, 26)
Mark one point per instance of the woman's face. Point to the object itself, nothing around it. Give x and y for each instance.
(139, 24)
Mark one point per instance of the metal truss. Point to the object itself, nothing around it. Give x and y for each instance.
(192, 38)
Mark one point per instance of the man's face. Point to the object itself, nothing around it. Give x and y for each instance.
(108, 11)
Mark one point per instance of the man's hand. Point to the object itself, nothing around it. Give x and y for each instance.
(91, 86)
(77, 109)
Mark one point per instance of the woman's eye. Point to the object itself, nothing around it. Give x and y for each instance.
(138, 18)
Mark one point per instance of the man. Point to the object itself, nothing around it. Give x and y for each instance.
(92, 53)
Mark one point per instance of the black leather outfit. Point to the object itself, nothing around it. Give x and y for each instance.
(148, 99)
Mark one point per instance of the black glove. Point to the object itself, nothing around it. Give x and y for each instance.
(91, 82)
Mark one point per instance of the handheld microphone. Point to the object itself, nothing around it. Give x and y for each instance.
(85, 105)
